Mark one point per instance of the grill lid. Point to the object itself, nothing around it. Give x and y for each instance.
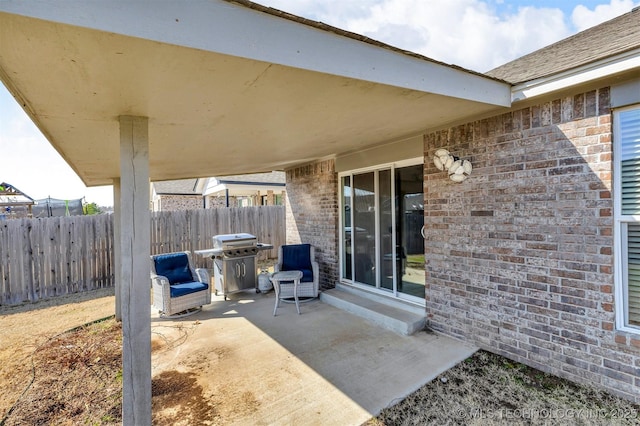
(225, 241)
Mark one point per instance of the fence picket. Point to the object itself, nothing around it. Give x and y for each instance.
(4, 262)
(48, 257)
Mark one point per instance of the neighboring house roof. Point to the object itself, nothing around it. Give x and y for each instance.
(245, 185)
(611, 38)
(177, 187)
(273, 179)
(197, 186)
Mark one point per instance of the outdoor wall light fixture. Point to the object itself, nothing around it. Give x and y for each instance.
(457, 169)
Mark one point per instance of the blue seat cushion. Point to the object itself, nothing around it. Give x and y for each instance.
(297, 257)
(307, 275)
(174, 266)
(183, 289)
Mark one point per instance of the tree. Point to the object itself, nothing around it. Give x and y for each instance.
(91, 208)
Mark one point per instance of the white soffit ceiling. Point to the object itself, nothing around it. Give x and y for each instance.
(227, 89)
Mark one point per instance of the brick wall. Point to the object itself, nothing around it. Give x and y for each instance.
(520, 255)
(271, 198)
(312, 214)
(220, 201)
(180, 202)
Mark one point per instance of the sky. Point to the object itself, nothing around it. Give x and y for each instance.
(475, 34)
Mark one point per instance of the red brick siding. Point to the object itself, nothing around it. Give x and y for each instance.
(312, 214)
(520, 255)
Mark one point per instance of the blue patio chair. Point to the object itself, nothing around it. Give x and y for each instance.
(300, 257)
(177, 288)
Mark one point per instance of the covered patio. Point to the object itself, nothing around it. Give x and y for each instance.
(322, 367)
(246, 366)
(129, 92)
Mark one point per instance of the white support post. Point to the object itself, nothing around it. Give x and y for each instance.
(135, 242)
(117, 253)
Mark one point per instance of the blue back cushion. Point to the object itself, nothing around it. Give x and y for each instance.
(174, 266)
(297, 257)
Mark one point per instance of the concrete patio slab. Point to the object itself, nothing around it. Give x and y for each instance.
(323, 367)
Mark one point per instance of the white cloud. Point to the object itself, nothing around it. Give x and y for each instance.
(468, 33)
(504, 39)
(475, 34)
(332, 12)
(584, 18)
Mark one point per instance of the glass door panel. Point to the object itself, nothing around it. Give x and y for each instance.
(346, 228)
(386, 206)
(409, 222)
(363, 230)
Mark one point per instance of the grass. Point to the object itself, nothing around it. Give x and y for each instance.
(487, 389)
(415, 261)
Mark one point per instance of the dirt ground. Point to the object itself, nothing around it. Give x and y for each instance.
(24, 329)
(56, 373)
(61, 364)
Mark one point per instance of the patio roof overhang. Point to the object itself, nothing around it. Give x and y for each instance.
(228, 87)
(132, 91)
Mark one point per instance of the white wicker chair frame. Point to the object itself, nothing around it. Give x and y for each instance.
(183, 305)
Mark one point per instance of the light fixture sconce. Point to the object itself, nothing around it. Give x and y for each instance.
(457, 169)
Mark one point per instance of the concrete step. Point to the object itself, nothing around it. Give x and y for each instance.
(397, 316)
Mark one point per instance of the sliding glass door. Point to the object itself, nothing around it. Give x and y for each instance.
(409, 222)
(381, 245)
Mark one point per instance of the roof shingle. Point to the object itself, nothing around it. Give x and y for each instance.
(608, 39)
(181, 187)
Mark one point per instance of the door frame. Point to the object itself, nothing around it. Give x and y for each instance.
(394, 293)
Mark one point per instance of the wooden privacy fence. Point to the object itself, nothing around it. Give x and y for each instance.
(42, 258)
(48, 257)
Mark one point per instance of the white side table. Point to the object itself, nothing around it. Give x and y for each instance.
(286, 285)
